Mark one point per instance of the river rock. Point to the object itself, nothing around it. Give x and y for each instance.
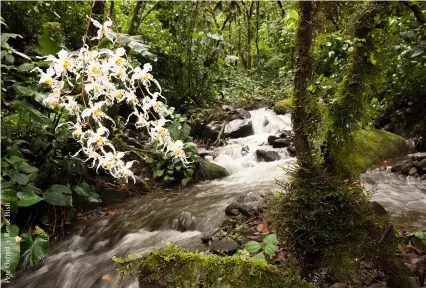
(423, 178)
(184, 222)
(265, 121)
(212, 130)
(207, 170)
(225, 246)
(249, 197)
(291, 150)
(239, 128)
(281, 143)
(227, 108)
(285, 133)
(418, 156)
(422, 164)
(339, 285)
(245, 209)
(397, 168)
(412, 172)
(406, 168)
(271, 139)
(378, 208)
(267, 156)
(238, 114)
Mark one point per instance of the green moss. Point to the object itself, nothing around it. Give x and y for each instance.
(367, 148)
(210, 171)
(283, 106)
(329, 225)
(175, 267)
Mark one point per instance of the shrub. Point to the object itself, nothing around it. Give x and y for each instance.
(329, 224)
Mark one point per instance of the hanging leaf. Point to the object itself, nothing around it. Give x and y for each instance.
(27, 168)
(26, 67)
(8, 194)
(28, 197)
(252, 246)
(48, 46)
(179, 131)
(10, 250)
(34, 250)
(26, 109)
(19, 178)
(59, 195)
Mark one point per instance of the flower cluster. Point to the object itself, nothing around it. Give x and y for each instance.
(107, 78)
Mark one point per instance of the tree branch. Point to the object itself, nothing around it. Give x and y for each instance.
(416, 10)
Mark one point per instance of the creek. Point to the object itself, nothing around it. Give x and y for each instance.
(83, 259)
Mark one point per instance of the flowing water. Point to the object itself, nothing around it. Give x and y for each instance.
(83, 259)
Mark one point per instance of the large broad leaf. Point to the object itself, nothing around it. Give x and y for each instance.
(10, 250)
(27, 168)
(252, 246)
(270, 239)
(48, 46)
(271, 249)
(179, 131)
(85, 190)
(27, 196)
(59, 195)
(26, 109)
(31, 92)
(19, 178)
(8, 195)
(34, 250)
(135, 42)
(26, 67)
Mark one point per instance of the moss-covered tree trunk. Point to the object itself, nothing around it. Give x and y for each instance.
(304, 67)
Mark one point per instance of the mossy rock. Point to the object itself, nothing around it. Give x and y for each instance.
(209, 171)
(284, 106)
(175, 267)
(368, 148)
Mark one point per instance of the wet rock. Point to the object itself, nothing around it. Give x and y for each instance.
(212, 130)
(413, 268)
(339, 285)
(204, 153)
(227, 108)
(271, 139)
(184, 222)
(422, 164)
(267, 156)
(111, 196)
(281, 143)
(239, 128)
(423, 178)
(285, 133)
(265, 121)
(412, 172)
(207, 170)
(418, 156)
(225, 246)
(378, 208)
(248, 198)
(249, 231)
(406, 168)
(414, 282)
(238, 114)
(377, 285)
(236, 208)
(291, 150)
(397, 168)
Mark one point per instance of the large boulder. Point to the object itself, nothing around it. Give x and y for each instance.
(267, 156)
(239, 114)
(239, 128)
(418, 156)
(226, 246)
(209, 171)
(283, 106)
(271, 139)
(212, 130)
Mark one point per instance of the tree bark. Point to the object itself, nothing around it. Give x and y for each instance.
(304, 65)
(416, 10)
(136, 18)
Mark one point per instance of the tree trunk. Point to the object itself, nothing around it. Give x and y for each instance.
(304, 64)
(136, 18)
(98, 10)
(257, 32)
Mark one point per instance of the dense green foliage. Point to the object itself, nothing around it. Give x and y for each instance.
(175, 267)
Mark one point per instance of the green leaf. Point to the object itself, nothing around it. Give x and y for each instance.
(59, 195)
(270, 239)
(252, 246)
(19, 178)
(371, 59)
(185, 181)
(8, 194)
(260, 256)
(27, 168)
(34, 251)
(420, 235)
(21, 54)
(28, 197)
(10, 250)
(179, 131)
(85, 190)
(270, 249)
(48, 46)
(26, 109)
(26, 67)
(159, 173)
